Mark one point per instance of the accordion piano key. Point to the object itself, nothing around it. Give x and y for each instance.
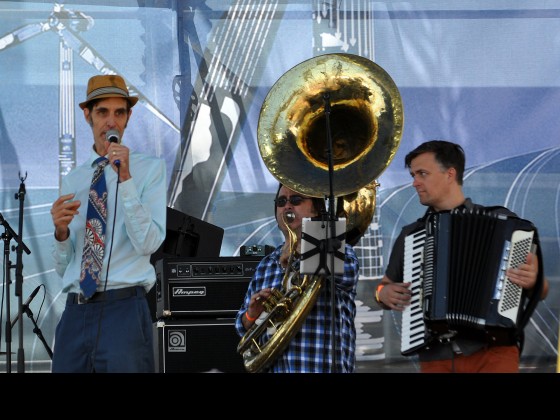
(413, 329)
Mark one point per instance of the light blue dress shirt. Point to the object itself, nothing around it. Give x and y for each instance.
(139, 223)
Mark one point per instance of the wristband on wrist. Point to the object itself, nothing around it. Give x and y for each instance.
(249, 318)
(377, 291)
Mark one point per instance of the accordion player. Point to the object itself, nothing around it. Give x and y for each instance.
(456, 265)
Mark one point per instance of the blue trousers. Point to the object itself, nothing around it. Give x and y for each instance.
(112, 336)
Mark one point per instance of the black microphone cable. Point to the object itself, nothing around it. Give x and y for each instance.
(106, 271)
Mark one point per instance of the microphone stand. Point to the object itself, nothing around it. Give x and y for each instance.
(36, 330)
(19, 274)
(7, 236)
(332, 241)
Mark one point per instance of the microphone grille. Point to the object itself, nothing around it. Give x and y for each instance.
(113, 136)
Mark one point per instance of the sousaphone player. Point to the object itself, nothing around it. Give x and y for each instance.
(288, 321)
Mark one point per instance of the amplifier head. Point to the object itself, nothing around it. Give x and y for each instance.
(209, 287)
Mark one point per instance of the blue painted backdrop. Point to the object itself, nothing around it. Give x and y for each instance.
(481, 73)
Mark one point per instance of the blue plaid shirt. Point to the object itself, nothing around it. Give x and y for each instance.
(310, 350)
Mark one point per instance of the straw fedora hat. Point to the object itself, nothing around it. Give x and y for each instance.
(107, 86)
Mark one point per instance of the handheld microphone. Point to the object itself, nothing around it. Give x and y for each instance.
(113, 136)
(32, 296)
(25, 306)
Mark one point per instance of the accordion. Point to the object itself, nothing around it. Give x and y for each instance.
(456, 266)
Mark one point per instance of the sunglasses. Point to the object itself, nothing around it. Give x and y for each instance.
(295, 200)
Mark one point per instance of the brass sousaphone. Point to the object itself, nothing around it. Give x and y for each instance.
(366, 123)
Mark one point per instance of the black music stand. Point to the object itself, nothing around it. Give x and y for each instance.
(332, 240)
(318, 241)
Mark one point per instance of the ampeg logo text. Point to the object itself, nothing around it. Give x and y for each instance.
(177, 341)
(189, 291)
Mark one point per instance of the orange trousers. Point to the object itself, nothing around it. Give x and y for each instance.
(497, 359)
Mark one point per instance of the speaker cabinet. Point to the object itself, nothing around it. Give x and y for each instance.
(197, 346)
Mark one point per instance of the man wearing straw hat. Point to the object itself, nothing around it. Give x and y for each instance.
(103, 241)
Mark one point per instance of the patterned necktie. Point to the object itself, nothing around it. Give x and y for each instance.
(94, 244)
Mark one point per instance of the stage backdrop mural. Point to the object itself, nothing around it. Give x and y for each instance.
(480, 73)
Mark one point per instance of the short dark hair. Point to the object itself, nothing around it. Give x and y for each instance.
(447, 154)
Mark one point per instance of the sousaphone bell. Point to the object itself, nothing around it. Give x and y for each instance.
(366, 123)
